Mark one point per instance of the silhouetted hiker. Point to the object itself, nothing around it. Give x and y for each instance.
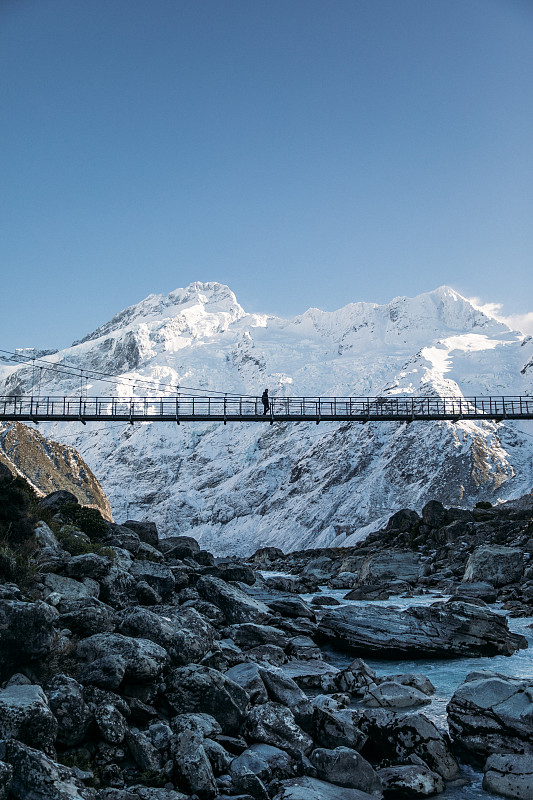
(266, 402)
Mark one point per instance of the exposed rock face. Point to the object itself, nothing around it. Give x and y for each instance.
(50, 466)
(496, 565)
(443, 629)
(492, 713)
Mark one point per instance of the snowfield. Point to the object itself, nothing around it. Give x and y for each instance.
(294, 485)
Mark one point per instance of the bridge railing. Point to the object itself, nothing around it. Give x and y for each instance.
(176, 406)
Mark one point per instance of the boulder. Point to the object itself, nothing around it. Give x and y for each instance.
(146, 531)
(247, 675)
(399, 736)
(391, 694)
(434, 515)
(144, 659)
(195, 688)
(118, 587)
(6, 770)
(337, 728)
(390, 565)
(141, 747)
(313, 674)
(510, 775)
(53, 501)
(496, 565)
(274, 724)
(179, 547)
(403, 520)
(184, 634)
(111, 723)
(86, 616)
(282, 689)
(492, 713)
(236, 605)
(265, 761)
(106, 672)
(410, 781)
(306, 788)
(26, 633)
(192, 768)
(37, 777)
(69, 588)
(444, 630)
(65, 698)
(414, 679)
(88, 565)
(158, 576)
(249, 634)
(346, 767)
(25, 715)
(291, 607)
(219, 758)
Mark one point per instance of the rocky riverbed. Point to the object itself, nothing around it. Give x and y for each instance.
(137, 667)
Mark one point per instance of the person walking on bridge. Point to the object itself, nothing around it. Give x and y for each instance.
(266, 402)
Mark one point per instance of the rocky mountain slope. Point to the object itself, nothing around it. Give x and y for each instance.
(49, 466)
(296, 485)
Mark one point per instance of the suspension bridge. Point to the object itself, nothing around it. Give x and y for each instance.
(233, 408)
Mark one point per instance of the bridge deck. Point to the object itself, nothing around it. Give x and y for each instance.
(179, 408)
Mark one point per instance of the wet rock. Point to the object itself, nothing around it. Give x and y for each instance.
(144, 659)
(195, 688)
(357, 677)
(291, 607)
(496, 565)
(492, 713)
(65, 698)
(394, 695)
(25, 715)
(324, 600)
(304, 648)
(346, 767)
(313, 674)
(476, 589)
(510, 775)
(410, 781)
(442, 629)
(26, 633)
(237, 606)
(274, 724)
(306, 788)
(37, 777)
(414, 679)
(146, 531)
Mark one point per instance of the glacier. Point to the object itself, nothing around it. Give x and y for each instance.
(293, 485)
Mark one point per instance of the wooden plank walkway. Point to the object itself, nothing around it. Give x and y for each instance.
(182, 408)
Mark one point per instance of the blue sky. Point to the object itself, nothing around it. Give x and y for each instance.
(305, 153)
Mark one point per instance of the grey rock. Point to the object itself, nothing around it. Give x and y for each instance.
(160, 735)
(399, 736)
(196, 688)
(346, 767)
(6, 779)
(247, 675)
(26, 633)
(25, 715)
(179, 546)
(65, 698)
(306, 788)
(434, 515)
(54, 500)
(274, 724)
(337, 728)
(68, 588)
(192, 767)
(291, 607)
(118, 587)
(219, 758)
(111, 723)
(235, 604)
(186, 635)
(144, 659)
(491, 713)
(249, 634)
(106, 672)
(37, 777)
(442, 629)
(390, 565)
(158, 576)
(86, 616)
(146, 531)
(88, 565)
(410, 780)
(357, 677)
(394, 695)
(496, 565)
(282, 689)
(144, 753)
(414, 679)
(510, 775)
(313, 674)
(266, 761)
(203, 724)
(304, 648)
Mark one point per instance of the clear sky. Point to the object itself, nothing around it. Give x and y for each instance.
(305, 152)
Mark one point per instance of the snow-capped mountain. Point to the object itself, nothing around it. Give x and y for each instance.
(242, 486)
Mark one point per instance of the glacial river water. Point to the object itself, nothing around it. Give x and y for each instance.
(445, 674)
